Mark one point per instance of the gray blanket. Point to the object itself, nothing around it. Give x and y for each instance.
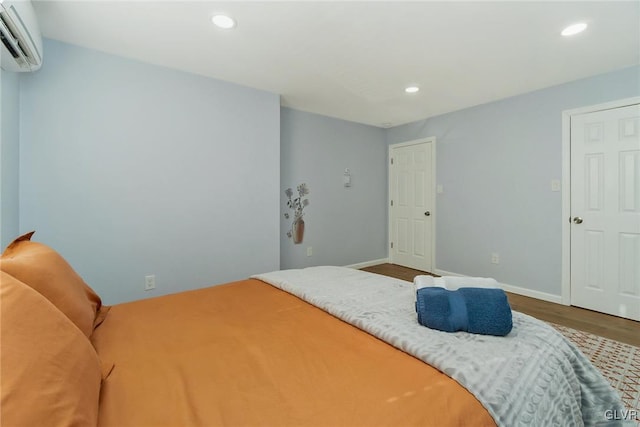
(531, 377)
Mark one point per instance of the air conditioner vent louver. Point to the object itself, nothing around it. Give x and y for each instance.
(10, 42)
(5, 42)
(20, 35)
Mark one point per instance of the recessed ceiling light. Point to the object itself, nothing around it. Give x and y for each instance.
(411, 89)
(574, 29)
(223, 21)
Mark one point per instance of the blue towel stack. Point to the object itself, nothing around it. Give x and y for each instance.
(475, 310)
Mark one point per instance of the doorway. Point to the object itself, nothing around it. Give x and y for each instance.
(601, 203)
(412, 212)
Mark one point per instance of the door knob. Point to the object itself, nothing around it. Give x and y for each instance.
(427, 213)
(577, 220)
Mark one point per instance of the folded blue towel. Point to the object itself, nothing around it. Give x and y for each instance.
(475, 310)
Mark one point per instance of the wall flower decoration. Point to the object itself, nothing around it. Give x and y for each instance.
(297, 205)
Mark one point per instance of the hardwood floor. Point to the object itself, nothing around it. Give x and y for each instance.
(616, 328)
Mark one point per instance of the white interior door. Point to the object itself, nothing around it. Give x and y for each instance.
(412, 210)
(605, 211)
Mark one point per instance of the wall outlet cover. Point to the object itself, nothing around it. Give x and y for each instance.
(149, 282)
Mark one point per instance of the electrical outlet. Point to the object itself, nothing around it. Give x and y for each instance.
(495, 258)
(149, 282)
(309, 251)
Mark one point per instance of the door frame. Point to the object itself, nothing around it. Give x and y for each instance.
(434, 216)
(566, 183)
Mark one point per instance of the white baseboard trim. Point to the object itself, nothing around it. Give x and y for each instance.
(368, 263)
(446, 273)
(515, 289)
(531, 293)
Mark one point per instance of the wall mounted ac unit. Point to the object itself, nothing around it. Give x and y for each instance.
(21, 39)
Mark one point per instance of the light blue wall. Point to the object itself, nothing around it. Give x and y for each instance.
(131, 169)
(343, 225)
(9, 156)
(495, 163)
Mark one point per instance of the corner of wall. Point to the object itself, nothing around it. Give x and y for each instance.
(9, 155)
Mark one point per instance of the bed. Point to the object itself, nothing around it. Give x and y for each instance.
(312, 347)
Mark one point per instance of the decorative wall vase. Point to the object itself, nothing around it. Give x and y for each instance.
(297, 230)
(297, 204)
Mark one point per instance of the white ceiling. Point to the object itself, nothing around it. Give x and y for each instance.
(352, 60)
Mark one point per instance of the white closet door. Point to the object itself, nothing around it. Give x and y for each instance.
(412, 205)
(605, 211)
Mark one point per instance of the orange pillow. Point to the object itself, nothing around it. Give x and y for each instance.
(43, 269)
(50, 372)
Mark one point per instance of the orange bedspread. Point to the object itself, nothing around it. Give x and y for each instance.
(248, 354)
